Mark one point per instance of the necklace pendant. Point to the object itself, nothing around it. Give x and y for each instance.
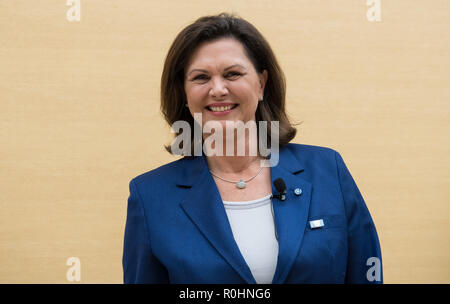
(240, 184)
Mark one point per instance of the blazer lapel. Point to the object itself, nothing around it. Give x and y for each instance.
(291, 215)
(204, 207)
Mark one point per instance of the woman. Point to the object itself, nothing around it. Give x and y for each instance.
(232, 218)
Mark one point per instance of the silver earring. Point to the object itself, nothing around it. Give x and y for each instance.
(262, 98)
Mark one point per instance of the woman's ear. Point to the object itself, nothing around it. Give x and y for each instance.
(262, 80)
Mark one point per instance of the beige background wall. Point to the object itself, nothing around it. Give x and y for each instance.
(80, 117)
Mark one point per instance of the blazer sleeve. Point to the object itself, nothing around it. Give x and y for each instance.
(364, 264)
(139, 264)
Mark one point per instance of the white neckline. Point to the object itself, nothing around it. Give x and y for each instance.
(248, 204)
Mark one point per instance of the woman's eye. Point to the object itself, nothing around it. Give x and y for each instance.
(200, 77)
(233, 74)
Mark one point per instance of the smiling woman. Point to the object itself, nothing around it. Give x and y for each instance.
(220, 61)
(212, 218)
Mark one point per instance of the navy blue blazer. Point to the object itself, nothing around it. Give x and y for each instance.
(177, 230)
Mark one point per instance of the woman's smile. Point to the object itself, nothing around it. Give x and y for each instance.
(221, 109)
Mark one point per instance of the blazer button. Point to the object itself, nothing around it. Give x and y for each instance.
(298, 191)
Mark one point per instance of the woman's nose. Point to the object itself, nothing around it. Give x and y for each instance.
(218, 88)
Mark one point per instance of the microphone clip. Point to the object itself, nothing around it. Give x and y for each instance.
(280, 196)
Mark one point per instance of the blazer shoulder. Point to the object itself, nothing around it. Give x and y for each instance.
(315, 158)
(311, 151)
(163, 172)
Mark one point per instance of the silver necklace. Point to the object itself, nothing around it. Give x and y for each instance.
(241, 184)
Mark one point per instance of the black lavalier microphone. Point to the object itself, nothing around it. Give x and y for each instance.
(280, 186)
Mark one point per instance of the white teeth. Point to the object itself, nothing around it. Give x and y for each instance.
(221, 109)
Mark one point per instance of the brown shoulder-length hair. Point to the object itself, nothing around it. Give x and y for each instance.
(209, 28)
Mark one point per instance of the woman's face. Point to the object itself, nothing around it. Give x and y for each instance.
(221, 82)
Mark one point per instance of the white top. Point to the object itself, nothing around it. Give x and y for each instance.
(253, 229)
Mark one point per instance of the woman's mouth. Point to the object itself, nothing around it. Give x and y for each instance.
(221, 110)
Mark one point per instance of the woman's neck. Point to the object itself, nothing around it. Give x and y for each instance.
(233, 164)
(237, 162)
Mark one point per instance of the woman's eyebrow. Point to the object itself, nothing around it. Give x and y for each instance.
(234, 66)
(226, 69)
